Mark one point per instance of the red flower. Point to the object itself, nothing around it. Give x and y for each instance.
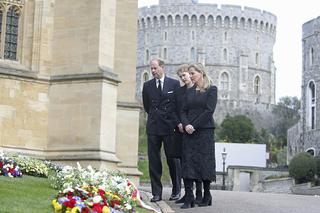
(97, 207)
(1, 164)
(115, 202)
(85, 210)
(11, 170)
(101, 192)
(71, 203)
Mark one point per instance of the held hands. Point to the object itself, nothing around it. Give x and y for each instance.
(189, 129)
(180, 127)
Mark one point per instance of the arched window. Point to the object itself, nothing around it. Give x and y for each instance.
(311, 151)
(155, 21)
(170, 21)
(311, 105)
(225, 55)
(224, 82)
(261, 25)
(242, 23)
(219, 21)
(210, 21)
(256, 24)
(234, 22)
(162, 21)
(185, 20)
(148, 22)
(224, 85)
(178, 20)
(193, 36)
(225, 36)
(10, 35)
(227, 22)
(249, 23)
(257, 85)
(193, 55)
(145, 77)
(202, 20)
(194, 20)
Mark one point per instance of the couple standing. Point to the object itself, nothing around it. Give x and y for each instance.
(172, 109)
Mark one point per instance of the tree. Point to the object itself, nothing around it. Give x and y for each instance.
(237, 129)
(287, 113)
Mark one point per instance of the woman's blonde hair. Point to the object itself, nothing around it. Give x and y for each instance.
(207, 81)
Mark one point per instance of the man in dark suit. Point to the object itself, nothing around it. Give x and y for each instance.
(159, 103)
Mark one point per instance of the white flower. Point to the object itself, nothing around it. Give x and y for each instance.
(69, 189)
(97, 199)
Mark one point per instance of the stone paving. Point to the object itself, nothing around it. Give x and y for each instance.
(242, 202)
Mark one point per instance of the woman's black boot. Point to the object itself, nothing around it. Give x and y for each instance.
(189, 197)
(184, 197)
(198, 192)
(207, 198)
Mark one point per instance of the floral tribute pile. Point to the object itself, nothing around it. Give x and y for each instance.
(92, 191)
(8, 167)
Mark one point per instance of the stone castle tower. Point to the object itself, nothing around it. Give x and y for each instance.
(235, 44)
(305, 136)
(67, 79)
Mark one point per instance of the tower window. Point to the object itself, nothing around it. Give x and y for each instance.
(257, 84)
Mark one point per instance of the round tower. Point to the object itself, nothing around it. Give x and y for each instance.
(235, 44)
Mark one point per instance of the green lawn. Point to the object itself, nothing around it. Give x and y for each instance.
(26, 194)
(29, 195)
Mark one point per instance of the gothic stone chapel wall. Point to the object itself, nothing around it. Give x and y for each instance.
(62, 79)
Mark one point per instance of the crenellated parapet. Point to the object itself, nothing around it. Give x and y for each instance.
(209, 15)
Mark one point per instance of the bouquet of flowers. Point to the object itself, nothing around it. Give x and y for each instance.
(89, 190)
(9, 167)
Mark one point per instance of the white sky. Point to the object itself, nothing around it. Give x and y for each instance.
(287, 49)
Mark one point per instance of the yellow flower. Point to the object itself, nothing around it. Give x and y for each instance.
(57, 207)
(105, 209)
(75, 209)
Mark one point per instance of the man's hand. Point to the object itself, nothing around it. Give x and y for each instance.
(189, 129)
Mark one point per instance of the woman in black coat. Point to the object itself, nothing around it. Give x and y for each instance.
(183, 74)
(198, 148)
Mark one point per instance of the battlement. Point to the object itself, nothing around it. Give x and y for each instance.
(207, 14)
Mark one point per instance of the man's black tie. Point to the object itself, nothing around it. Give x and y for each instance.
(159, 86)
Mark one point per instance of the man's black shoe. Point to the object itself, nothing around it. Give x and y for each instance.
(175, 197)
(156, 198)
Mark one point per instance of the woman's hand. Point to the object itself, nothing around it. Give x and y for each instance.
(189, 129)
(180, 127)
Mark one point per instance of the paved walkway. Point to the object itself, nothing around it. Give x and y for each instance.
(242, 202)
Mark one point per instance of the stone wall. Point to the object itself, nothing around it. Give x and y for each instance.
(23, 113)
